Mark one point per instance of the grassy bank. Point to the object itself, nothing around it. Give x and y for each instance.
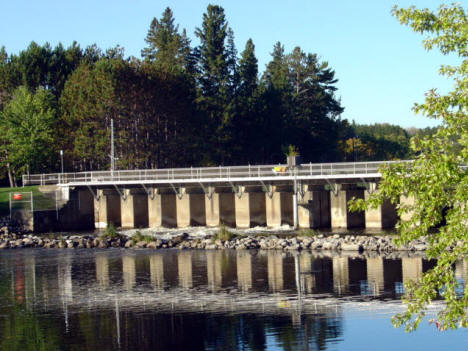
(41, 201)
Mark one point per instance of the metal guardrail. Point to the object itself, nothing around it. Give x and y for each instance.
(202, 174)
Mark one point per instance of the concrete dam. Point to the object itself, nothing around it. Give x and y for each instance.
(305, 196)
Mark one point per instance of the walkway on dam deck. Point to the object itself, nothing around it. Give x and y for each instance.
(261, 173)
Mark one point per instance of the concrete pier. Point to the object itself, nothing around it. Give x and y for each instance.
(168, 210)
(250, 209)
(182, 209)
(341, 217)
(107, 208)
(154, 209)
(227, 209)
(242, 210)
(273, 209)
(198, 215)
(134, 209)
(304, 209)
(384, 216)
(250, 206)
(212, 210)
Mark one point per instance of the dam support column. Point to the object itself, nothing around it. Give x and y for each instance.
(154, 209)
(212, 209)
(341, 217)
(107, 208)
(250, 208)
(227, 209)
(273, 208)
(338, 208)
(305, 207)
(382, 217)
(197, 209)
(168, 210)
(242, 208)
(182, 208)
(134, 208)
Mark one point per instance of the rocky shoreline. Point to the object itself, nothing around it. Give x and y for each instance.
(319, 242)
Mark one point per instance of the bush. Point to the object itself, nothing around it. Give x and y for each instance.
(223, 234)
(137, 237)
(110, 232)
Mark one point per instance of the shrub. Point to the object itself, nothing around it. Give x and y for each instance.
(223, 234)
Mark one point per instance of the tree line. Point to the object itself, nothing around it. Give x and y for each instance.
(179, 105)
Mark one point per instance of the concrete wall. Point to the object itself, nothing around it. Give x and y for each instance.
(154, 209)
(227, 209)
(286, 209)
(134, 209)
(197, 210)
(257, 208)
(168, 210)
(317, 208)
(212, 210)
(320, 209)
(355, 219)
(273, 209)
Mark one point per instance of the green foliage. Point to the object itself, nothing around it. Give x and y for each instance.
(138, 236)
(27, 141)
(437, 180)
(291, 151)
(223, 234)
(110, 232)
(167, 49)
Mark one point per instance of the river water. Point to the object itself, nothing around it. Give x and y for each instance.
(117, 299)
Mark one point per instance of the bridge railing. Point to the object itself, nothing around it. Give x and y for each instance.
(207, 173)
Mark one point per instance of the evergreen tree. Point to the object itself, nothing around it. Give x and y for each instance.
(214, 82)
(246, 121)
(167, 49)
(248, 71)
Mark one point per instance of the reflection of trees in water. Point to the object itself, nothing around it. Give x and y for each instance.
(313, 333)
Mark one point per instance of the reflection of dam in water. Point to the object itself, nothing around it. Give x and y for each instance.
(224, 272)
(221, 290)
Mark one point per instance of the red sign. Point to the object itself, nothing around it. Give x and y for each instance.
(17, 196)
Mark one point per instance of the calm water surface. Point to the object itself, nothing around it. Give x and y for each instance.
(209, 300)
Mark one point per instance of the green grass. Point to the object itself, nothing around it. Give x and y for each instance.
(137, 237)
(223, 234)
(110, 232)
(41, 201)
(308, 232)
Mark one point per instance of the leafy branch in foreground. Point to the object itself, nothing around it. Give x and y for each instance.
(437, 180)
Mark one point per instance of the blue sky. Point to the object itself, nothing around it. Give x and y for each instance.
(381, 66)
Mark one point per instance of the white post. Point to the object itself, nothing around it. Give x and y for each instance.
(295, 217)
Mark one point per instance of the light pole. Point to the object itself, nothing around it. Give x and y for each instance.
(61, 159)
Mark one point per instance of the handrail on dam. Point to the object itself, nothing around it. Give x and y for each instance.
(207, 174)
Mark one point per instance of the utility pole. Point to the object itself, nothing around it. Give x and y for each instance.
(112, 148)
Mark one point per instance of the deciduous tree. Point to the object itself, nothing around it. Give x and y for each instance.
(438, 177)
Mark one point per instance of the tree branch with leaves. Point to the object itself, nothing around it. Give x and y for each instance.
(437, 180)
